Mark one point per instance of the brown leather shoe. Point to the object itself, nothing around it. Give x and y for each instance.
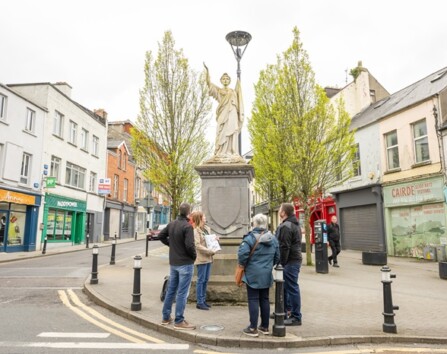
(184, 325)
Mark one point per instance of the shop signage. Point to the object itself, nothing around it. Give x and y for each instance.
(416, 192)
(104, 186)
(51, 182)
(17, 198)
(54, 201)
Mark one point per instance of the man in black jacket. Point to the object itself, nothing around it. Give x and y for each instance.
(289, 238)
(333, 234)
(178, 235)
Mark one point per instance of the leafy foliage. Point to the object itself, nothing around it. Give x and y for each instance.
(169, 135)
(301, 142)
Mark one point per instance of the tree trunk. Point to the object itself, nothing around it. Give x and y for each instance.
(307, 231)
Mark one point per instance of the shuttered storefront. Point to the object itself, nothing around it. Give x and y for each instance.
(360, 228)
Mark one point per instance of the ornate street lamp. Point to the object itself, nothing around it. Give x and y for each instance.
(239, 42)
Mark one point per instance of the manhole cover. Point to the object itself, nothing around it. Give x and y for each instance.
(212, 328)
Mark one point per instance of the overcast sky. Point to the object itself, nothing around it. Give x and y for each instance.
(98, 46)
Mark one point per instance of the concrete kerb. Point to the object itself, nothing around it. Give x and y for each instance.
(264, 342)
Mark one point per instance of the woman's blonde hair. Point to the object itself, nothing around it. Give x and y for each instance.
(197, 218)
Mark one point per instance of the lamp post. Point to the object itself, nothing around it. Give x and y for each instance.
(279, 329)
(136, 295)
(239, 42)
(94, 277)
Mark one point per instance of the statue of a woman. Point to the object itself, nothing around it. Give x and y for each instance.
(229, 116)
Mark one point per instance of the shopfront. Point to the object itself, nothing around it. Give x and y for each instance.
(19, 213)
(64, 220)
(415, 216)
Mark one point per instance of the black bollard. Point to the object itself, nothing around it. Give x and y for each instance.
(94, 277)
(388, 309)
(147, 245)
(136, 296)
(115, 235)
(136, 235)
(44, 249)
(112, 256)
(87, 239)
(279, 329)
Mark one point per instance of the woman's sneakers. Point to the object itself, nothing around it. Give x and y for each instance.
(252, 332)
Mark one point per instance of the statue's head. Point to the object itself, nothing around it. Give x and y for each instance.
(225, 79)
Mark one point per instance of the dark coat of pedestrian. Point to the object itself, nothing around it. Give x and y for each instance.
(179, 236)
(258, 272)
(333, 234)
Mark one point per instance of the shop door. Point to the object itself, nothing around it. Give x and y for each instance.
(360, 229)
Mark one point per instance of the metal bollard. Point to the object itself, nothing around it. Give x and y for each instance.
(136, 235)
(87, 239)
(388, 309)
(115, 235)
(94, 277)
(136, 295)
(279, 329)
(44, 249)
(147, 245)
(112, 256)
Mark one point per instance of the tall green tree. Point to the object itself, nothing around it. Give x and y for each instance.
(169, 135)
(302, 143)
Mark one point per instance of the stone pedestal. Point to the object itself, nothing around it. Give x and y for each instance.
(226, 204)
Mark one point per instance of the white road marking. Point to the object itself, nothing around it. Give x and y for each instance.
(383, 350)
(96, 345)
(73, 335)
(101, 317)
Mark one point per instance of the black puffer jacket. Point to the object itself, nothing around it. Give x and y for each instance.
(179, 236)
(289, 238)
(333, 232)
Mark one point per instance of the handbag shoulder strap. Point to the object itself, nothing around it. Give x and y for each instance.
(254, 247)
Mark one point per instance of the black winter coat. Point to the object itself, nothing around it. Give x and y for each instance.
(289, 238)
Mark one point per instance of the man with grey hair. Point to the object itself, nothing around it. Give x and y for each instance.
(178, 235)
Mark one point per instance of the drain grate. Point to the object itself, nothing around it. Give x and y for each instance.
(212, 328)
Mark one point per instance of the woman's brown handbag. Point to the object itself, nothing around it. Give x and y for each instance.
(240, 270)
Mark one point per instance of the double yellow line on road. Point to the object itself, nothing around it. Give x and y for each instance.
(68, 297)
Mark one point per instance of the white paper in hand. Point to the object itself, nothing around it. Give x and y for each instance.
(212, 243)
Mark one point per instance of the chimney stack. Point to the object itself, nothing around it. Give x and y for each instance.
(101, 112)
(64, 88)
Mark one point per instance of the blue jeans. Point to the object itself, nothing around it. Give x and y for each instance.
(179, 282)
(203, 274)
(292, 296)
(258, 299)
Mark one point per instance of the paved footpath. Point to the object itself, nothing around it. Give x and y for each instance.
(342, 307)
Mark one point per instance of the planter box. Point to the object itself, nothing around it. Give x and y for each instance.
(443, 270)
(374, 258)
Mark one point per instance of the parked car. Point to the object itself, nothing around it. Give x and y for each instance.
(153, 234)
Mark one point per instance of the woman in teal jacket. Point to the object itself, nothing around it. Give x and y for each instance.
(258, 272)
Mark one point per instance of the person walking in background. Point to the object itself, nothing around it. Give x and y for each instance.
(204, 258)
(178, 235)
(289, 238)
(333, 234)
(258, 253)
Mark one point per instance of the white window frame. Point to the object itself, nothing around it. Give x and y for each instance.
(84, 139)
(125, 189)
(418, 139)
(95, 145)
(26, 168)
(356, 164)
(55, 167)
(75, 175)
(30, 120)
(390, 148)
(58, 124)
(73, 132)
(92, 182)
(116, 185)
(3, 105)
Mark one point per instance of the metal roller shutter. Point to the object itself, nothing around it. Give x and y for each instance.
(360, 229)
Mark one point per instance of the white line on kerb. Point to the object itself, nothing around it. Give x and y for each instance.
(103, 345)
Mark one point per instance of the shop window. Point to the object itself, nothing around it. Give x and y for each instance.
(392, 150)
(59, 225)
(420, 141)
(125, 223)
(16, 225)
